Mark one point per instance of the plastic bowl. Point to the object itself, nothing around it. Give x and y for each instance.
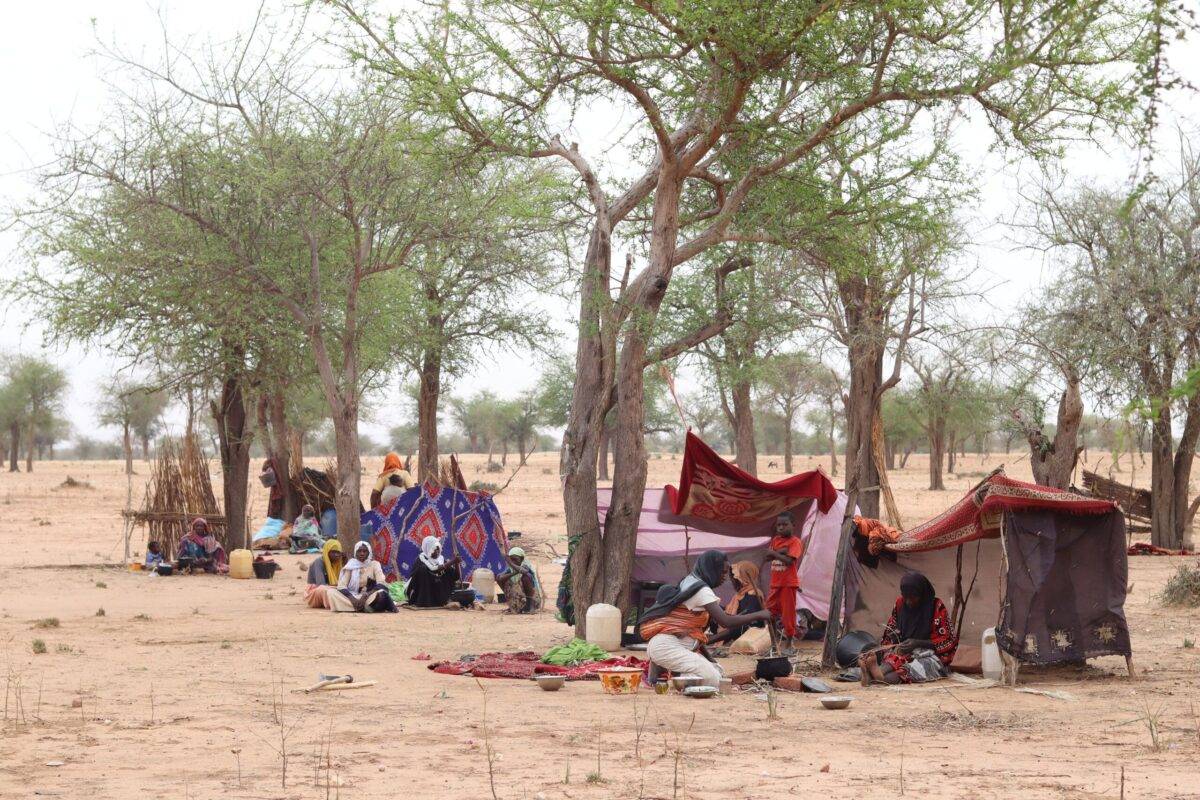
(550, 683)
(620, 680)
(836, 701)
(700, 692)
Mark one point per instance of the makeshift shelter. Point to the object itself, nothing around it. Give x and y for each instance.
(1046, 567)
(179, 490)
(719, 506)
(467, 523)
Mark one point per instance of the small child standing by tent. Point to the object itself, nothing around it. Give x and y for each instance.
(784, 552)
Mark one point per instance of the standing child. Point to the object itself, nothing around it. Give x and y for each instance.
(785, 552)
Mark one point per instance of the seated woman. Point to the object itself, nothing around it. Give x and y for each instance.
(323, 574)
(361, 585)
(395, 487)
(306, 531)
(433, 578)
(922, 638)
(522, 590)
(746, 600)
(674, 626)
(391, 466)
(199, 549)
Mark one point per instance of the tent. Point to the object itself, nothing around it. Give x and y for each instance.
(1046, 567)
(467, 523)
(721, 507)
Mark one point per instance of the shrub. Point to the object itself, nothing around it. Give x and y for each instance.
(483, 486)
(1183, 588)
(39, 646)
(47, 622)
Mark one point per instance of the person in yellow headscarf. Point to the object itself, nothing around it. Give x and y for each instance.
(323, 574)
(392, 465)
(746, 600)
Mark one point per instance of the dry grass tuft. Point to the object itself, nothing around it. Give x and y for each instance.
(1183, 588)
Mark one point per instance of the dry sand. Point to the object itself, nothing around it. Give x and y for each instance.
(174, 691)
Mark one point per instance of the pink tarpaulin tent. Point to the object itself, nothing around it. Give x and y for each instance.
(667, 544)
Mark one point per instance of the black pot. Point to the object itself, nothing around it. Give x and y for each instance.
(850, 646)
(773, 667)
(265, 569)
(164, 569)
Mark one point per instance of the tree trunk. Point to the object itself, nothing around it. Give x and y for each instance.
(889, 454)
(950, 452)
(788, 445)
(585, 422)
(145, 448)
(428, 398)
(32, 438)
(604, 571)
(127, 447)
(904, 457)
(602, 459)
(281, 450)
(746, 449)
(863, 401)
(937, 445)
(1163, 523)
(349, 473)
(833, 459)
(1185, 454)
(14, 447)
(1054, 462)
(234, 439)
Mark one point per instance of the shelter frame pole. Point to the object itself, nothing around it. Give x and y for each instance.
(833, 625)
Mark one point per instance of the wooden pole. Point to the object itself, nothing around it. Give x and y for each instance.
(889, 500)
(833, 626)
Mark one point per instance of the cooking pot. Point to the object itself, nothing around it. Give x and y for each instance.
(771, 667)
(851, 645)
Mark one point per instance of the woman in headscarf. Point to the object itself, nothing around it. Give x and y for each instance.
(323, 574)
(306, 531)
(433, 578)
(746, 600)
(392, 465)
(675, 625)
(522, 591)
(919, 634)
(361, 585)
(199, 549)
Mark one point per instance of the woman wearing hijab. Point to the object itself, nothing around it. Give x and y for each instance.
(433, 578)
(675, 625)
(306, 532)
(522, 591)
(920, 635)
(361, 585)
(391, 466)
(746, 600)
(199, 549)
(323, 574)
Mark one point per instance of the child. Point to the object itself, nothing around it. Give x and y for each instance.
(154, 555)
(785, 552)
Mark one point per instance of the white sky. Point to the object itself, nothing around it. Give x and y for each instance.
(50, 77)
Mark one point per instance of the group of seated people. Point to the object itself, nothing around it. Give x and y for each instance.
(198, 551)
(361, 585)
(918, 642)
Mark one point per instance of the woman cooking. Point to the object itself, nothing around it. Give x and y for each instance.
(675, 625)
(918, 641)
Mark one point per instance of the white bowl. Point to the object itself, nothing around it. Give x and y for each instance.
(835, 702)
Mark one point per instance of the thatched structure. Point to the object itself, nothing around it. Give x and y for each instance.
(179, 490)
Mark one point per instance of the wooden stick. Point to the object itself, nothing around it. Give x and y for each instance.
(333, 687)
(328, 682)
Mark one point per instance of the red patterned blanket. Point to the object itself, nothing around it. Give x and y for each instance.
(525, 665)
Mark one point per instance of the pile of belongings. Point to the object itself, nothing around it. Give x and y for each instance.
(1147, 549)
(526, 664)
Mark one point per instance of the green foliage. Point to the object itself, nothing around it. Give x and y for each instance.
(38, 646)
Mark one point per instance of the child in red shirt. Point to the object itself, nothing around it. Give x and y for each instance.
(785, 552)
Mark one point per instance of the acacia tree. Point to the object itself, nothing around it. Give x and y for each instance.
(1131, 287)
(720, 108)
(789, 382)
(136, 408)
(33, 395)
(473, 289)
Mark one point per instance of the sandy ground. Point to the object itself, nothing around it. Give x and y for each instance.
(182, 688)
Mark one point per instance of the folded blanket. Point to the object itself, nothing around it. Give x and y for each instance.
(525, 665)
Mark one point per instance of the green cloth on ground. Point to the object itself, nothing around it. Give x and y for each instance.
(396, 590)
(577, 652)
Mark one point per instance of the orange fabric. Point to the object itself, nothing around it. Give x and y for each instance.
(786, 575)
(747, 574)
(878, 535)
(679, 622)
(781, 602)
(391, 463)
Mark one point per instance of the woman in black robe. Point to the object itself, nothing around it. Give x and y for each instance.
(434, 578)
